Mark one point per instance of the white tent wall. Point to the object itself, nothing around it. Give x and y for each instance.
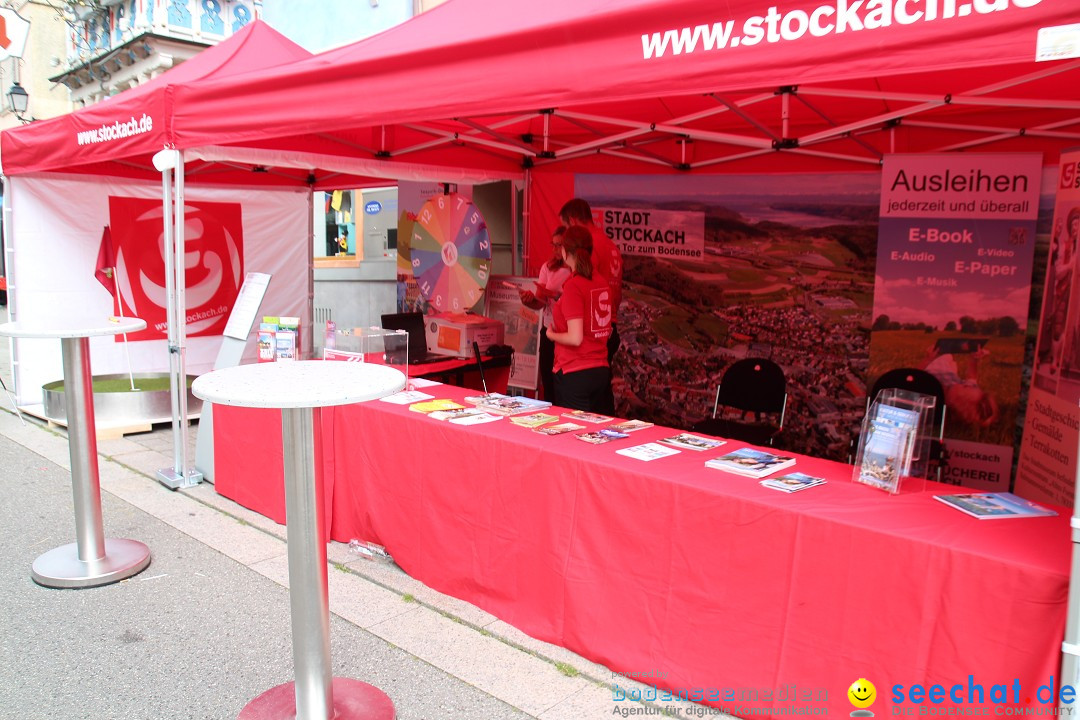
(55, 235)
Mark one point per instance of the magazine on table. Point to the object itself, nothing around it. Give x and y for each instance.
(792, 482)
(602, 435)
(588, 417)
(687, 441)
(995, 506)
(559, 429)
(429, 406)
(630, 425)
(406, 397)
(751, 462)
(455, 414)
(533, 420)
(506, 405)
(475, 418)
(648, 451)
(490, 397)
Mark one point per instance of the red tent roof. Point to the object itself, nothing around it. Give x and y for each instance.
(138, 122)
(485, 86)
(484, 83)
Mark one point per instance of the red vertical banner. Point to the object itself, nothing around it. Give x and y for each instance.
(953, 280)
(1048, 453)
(214, 263)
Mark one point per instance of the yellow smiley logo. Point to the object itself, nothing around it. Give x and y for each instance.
(862, 693)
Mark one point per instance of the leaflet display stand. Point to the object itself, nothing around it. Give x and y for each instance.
(233, 343)
(893, 433)
(925, 406)
(377, 345)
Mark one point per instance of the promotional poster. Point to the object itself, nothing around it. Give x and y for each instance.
(1048, 465)
(953, 283)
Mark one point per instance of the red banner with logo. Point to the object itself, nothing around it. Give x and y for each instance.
(214, 263)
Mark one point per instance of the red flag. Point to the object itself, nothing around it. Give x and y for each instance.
(106, 263)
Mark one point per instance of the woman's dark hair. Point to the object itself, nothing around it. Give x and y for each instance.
(576, 209)
(577, 241)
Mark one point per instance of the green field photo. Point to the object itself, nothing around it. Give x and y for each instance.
(999, 374)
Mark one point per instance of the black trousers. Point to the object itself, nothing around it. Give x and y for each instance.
(613, 343)
(547, 362)
(588, 390)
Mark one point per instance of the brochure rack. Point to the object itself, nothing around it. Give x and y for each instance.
(894, 443)
(371, 344)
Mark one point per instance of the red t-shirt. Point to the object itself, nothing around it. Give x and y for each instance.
(607, 261)
(589, 300)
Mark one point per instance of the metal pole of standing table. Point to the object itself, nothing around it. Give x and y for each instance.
(301, 389)
(309, 594)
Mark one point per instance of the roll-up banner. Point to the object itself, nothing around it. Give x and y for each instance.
(1048, 454)
(953, 281)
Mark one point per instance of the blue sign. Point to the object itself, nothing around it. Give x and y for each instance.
(373, 208)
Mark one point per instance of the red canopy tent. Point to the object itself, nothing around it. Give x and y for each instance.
(635, 78)
(478, 90)
(119, 135)
(657, 86)
(632, 86)
(490, 89)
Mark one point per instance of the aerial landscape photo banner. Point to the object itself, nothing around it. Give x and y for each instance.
(784, 269)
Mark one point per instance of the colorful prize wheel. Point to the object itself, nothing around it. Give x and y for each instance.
(451, 253)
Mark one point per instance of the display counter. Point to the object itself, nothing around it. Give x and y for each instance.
(697, 580)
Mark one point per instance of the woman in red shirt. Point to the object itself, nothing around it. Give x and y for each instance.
(582, 320)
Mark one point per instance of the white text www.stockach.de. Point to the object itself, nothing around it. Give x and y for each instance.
(196, 316)
(116, 130)
(831, 19)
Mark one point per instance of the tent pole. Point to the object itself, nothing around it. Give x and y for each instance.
(526, 212)
(515, 266)
(170, 277)
(172, 167)
(188, 476)
(307, 338)
(1070, 648)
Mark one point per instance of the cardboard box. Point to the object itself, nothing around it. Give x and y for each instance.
(453, 334)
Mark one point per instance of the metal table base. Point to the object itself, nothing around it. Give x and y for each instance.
(352, 700)
(93, 559)
(62, 568)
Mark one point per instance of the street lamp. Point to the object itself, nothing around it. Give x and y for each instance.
(18, 100)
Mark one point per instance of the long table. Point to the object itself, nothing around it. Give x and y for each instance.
(698, 581)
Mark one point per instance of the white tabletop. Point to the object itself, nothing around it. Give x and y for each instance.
(298, 384)
(72, 327)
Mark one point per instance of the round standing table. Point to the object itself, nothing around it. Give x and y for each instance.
(93, 559)
(300, 389)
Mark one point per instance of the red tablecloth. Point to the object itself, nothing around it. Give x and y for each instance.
(702, 582)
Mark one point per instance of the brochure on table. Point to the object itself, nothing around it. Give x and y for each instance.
(995, 506)
(751, 462)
